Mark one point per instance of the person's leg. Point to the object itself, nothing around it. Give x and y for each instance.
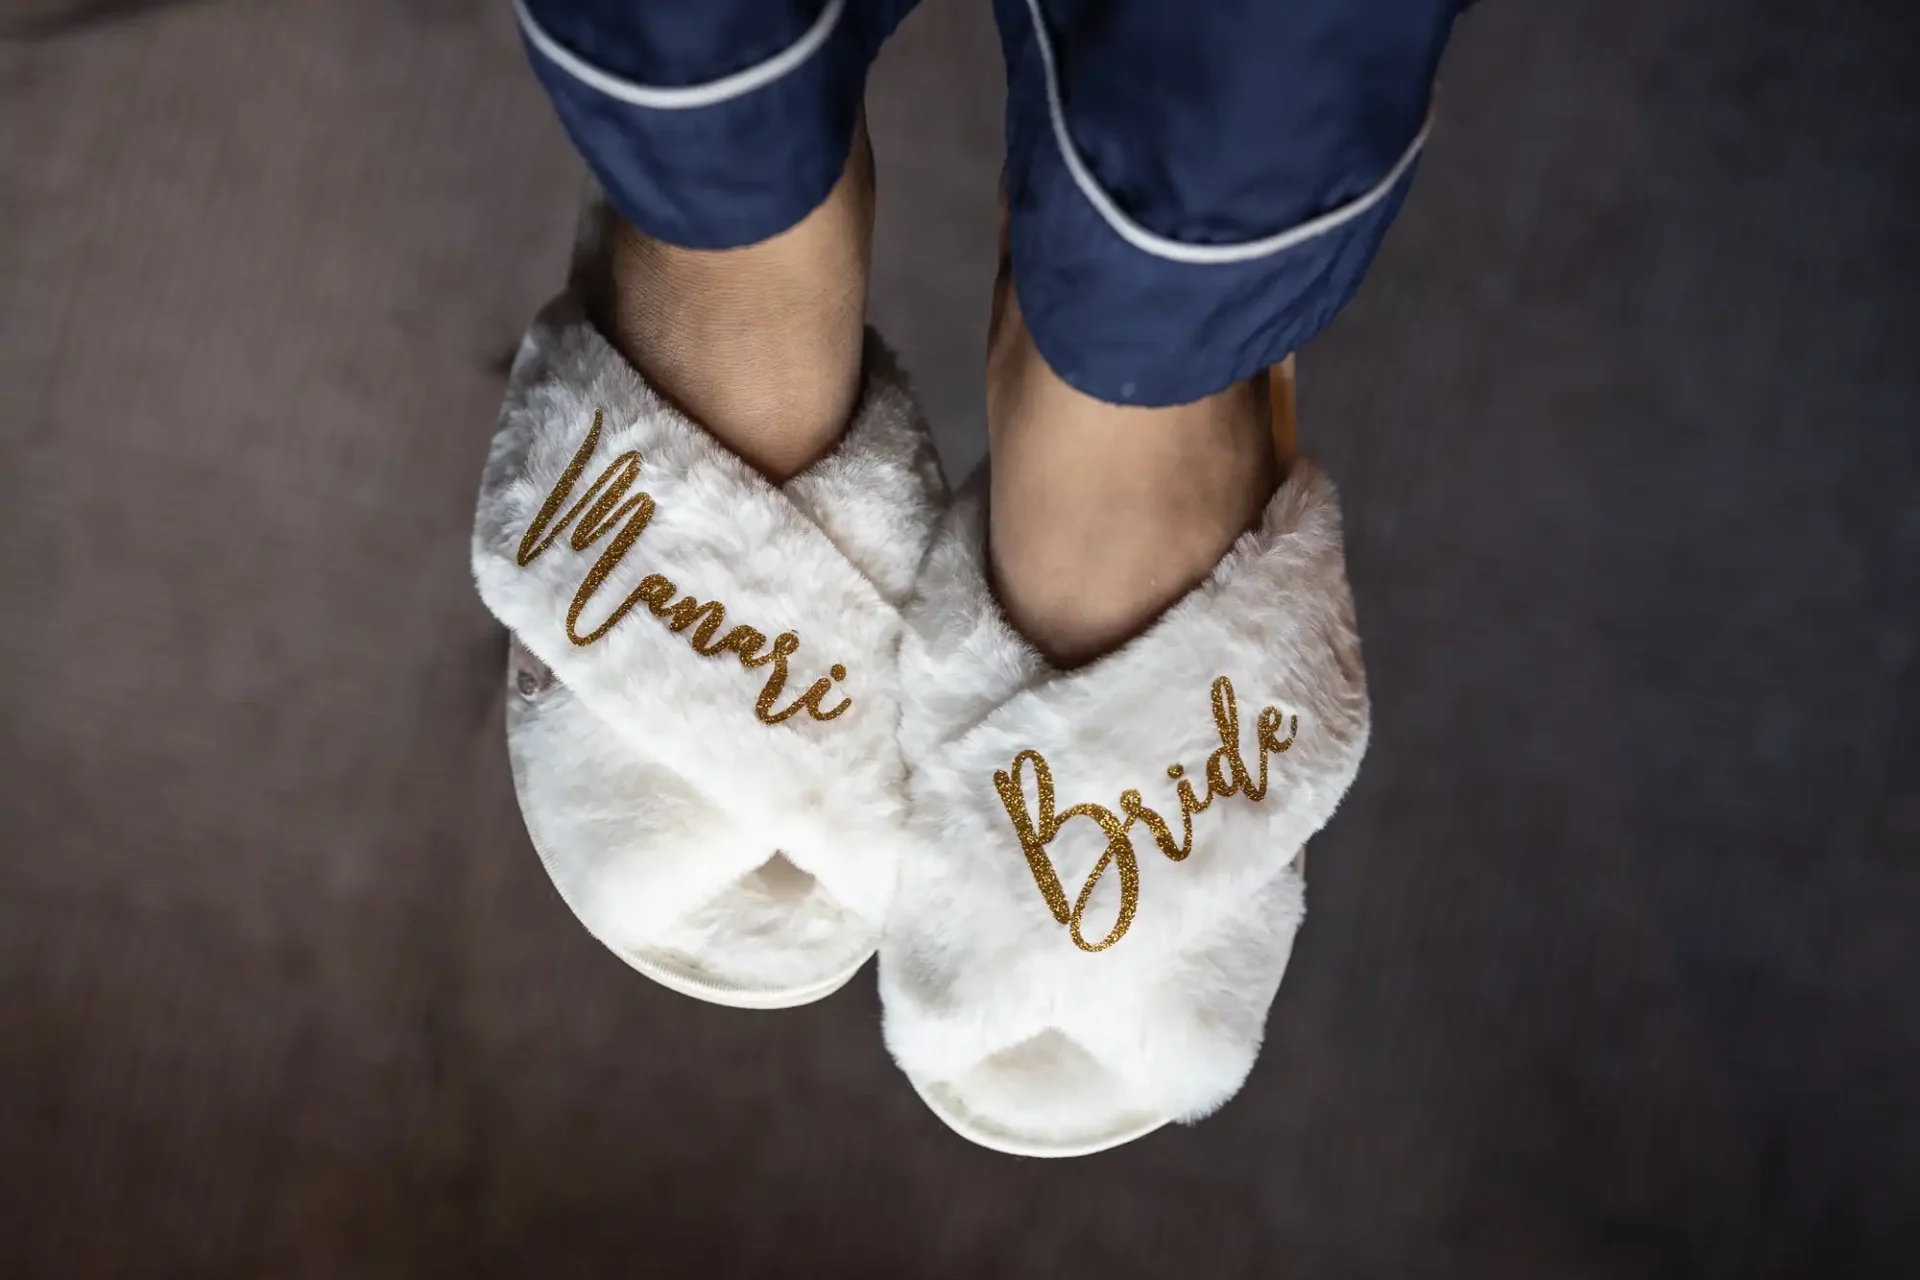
(1160, 797)
(703, 714)
(727, 138)
(760, 344)
(1193, 194)
(1102, 515)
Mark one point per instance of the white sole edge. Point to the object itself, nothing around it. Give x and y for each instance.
(1007, 1144)
(678, 980)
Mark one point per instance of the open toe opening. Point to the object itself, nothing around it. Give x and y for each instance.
(776, 935)
(1046, 1096)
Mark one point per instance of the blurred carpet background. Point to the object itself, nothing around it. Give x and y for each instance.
(1613, 967)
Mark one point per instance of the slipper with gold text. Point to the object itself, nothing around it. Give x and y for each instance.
(1105, 878)
(703, 698)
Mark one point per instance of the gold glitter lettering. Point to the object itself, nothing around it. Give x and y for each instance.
(609, 561)
(1188, 805)
(1226, 773)
(710, 615)
(743, 640)
(655, 590)
(1032, 842)
(1137, 811)
(605, 505)
(1269, 726)
(1035, 836)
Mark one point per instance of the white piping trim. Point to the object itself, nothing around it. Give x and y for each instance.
(1198, 254)
(712, 93)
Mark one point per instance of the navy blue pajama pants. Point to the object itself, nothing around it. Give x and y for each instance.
(1195, 188)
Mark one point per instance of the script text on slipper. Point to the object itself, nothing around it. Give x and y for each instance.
(1226, 773)
(606, 504)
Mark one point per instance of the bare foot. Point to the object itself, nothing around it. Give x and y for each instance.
(760, 345)
(1102, 516)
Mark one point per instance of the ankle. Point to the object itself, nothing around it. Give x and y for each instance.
(762, 344)
(1102, 516)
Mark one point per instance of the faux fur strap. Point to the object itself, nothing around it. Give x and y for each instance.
(1108, 854)
(738, 635)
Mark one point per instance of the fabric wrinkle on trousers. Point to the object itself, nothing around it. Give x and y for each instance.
(1194, 190)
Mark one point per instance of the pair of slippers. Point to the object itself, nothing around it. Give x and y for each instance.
(760, 732)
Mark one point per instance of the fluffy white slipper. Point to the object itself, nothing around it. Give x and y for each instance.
(703, 699)
(1105, 880)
